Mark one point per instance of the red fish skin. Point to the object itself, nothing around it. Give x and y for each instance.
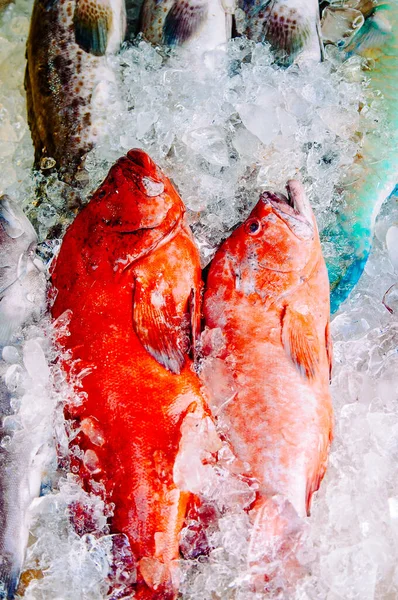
(126, 285)
(268, 292)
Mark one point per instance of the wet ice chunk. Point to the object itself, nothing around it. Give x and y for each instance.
(261, 122)
(91, 428)
(10, 354)
(152, 187)
(392, 245)
(35, 361)
(91, 462)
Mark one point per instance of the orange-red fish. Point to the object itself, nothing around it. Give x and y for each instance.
(128, 272)
(267, 291)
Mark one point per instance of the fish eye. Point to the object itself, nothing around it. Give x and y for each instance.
(253, 227)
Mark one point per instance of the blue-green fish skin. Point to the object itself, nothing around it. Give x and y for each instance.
(351, 234)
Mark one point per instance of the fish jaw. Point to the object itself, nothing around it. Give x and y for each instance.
(295, 209)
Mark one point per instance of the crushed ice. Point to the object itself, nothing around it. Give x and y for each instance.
(225, 130)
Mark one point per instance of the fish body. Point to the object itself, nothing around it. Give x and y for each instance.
(199, 25)
(374, 172)
(267, 292)
(292, 27)
(4, 3)
(22, 299)
(68, 80)
(128, 273)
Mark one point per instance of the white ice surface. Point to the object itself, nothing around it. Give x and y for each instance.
(224, 133)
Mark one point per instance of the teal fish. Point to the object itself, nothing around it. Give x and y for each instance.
(374, 173)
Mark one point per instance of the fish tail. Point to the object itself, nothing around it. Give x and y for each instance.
(275, 533)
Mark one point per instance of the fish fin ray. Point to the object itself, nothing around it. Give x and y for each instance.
(372, 36)
(314, 479)
(195, 314)
(159, 328)
(320, 41)
(300, 342)
(286, 42)
(92, 22)
(329, 349)
(183, 20)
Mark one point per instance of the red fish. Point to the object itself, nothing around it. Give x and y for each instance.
(267, 291)
(128, 272)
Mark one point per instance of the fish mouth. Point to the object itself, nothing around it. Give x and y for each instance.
(294, 208)
(141, 159)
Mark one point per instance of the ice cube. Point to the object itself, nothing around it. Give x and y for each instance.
(392, 245)
(261, 122)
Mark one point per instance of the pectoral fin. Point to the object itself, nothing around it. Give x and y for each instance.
(159, 326)
(92, 21)
(287, 33)
(317, 473)
(183, 21)
(300, 342)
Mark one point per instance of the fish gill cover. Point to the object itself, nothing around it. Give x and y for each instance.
(226, 128)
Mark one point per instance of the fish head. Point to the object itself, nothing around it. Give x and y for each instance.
(135, 195)
(280, 232)
(274, 248)
(136, 204)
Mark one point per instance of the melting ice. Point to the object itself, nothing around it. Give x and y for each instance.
(225, 129)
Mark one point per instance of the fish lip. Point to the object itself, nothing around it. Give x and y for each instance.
(141, 159)
(293, 208)
(292, 204)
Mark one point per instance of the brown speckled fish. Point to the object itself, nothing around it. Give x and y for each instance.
(68, 81)
(290, 26)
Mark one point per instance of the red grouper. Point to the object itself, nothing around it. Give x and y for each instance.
(268, 293)
(128, 277)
